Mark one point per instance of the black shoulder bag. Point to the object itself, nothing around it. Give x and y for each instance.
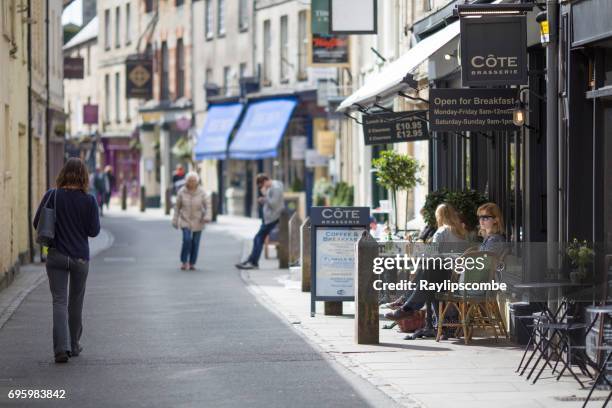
(45, 232)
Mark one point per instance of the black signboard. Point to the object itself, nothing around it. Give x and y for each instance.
(74, 68)
(494, 51)
(139, 77)
(462, 110)
(383, 128)
(329, 50)
(334, 232)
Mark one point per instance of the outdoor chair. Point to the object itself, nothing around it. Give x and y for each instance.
(477, 309)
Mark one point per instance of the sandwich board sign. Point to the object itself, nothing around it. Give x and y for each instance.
(334, 232)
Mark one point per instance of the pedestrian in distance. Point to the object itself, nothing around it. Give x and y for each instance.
(191, 213)
(100, 187)
(67, 264)
(272, 201)
(111, 182)
(178, 178)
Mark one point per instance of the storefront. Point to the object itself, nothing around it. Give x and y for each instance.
(586, 124)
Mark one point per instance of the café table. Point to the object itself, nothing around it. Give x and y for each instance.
(599, 312)
(547, 320)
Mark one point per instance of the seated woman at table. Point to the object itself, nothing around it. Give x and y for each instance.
(450, 235)
(491, 229)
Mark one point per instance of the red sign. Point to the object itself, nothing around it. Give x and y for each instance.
(90, 114)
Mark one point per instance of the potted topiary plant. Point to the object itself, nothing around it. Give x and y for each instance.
(581, 256)
(397, 172)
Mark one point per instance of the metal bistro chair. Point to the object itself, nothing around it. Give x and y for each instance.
(475, 308)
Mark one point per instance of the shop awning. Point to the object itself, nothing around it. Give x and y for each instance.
(213, 137)
(262, 128)
(389, 81)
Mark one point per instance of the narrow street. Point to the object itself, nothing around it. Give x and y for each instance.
(158, 336)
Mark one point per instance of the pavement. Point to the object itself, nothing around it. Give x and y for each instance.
(156, 336)
(160, 337)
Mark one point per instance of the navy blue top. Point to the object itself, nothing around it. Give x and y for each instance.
(76, 219)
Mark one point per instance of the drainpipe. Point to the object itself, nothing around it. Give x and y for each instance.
(30, 196)
(552, 133)
(48, 96)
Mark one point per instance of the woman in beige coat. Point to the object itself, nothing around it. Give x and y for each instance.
(190, 215)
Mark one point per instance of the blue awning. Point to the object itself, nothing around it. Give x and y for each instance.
(261, 130)
(213, 137)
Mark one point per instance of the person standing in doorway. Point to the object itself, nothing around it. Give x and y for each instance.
(76, 219)
(272, 201)
(190, 215)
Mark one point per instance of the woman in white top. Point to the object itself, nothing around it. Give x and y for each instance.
(450, 228)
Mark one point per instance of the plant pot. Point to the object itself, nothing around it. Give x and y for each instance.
(575, 276)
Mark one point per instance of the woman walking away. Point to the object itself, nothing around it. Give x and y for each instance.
(190, 215)
(491, 227)
(76, 219)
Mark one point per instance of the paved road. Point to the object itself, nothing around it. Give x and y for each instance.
(155, 336)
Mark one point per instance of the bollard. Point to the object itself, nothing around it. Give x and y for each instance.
(168, 201)
(333, 308)
(143, 197)
(295, 223)
(124, 197)
(283, 240)
(214, 199)
(305, 255)
(366, 297)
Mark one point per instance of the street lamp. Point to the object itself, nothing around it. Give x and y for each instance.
(542, 19)
(518, 114)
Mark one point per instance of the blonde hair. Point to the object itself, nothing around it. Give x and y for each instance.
(447, 215)
(492, 210)
(192, 175)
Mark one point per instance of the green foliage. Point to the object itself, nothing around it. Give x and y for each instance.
(182, 149)
(297, 185)
(397, 172)
(321, 191)
(465, 202)
(580, 254)
(342, 195)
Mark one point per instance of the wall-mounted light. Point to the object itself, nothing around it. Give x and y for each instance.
(542, 20)
(518, 114)
(450, 56)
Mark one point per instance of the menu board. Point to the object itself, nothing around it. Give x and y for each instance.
(335, 261)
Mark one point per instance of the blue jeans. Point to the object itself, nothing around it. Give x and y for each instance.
(191, 245)
(258, 241)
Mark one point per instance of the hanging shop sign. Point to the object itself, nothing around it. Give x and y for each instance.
(325, 49)
(314, 159)
(139, 77)
(353, 16)
(90, 114)
(397, 127)
(299, 144)
(319, 17)
(329, 50)
(74, 68)
(334, 232)
(462, 110)
(494, 51)
(325, 141)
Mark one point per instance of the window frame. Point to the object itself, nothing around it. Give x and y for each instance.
(107, 29)
(243, 15)
(284, 49)
(209, 30)
(180, 68)
(128, 27)
(221, 18)
(118, 27)
(267, 53)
